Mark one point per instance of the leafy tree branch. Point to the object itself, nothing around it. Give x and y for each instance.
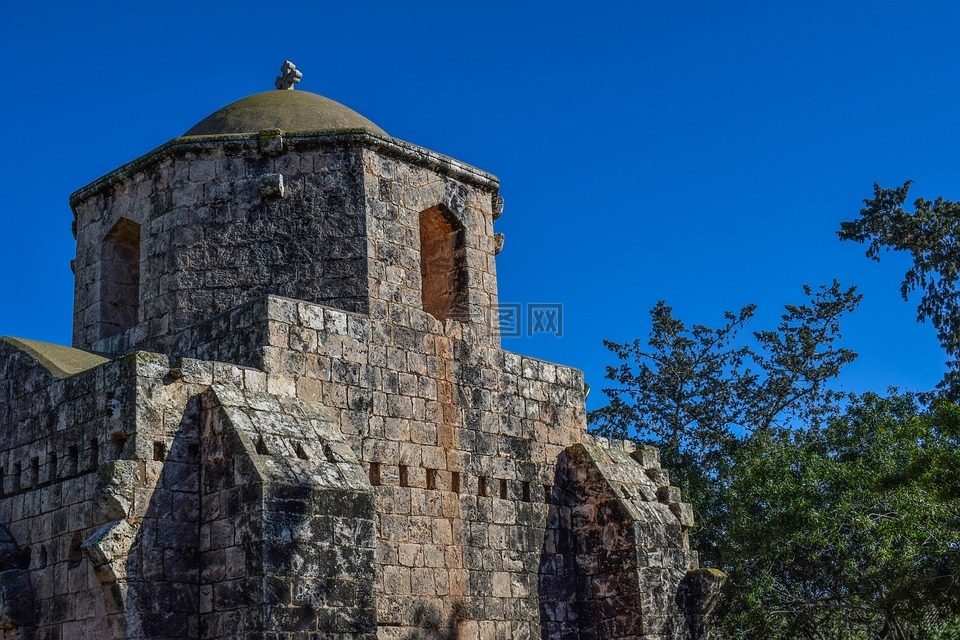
(930, 234)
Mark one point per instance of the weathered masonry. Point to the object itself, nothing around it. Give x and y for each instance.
(286, 415)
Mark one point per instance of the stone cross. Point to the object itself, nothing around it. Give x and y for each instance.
(288, 77)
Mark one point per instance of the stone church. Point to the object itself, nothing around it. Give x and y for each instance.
(287, 415)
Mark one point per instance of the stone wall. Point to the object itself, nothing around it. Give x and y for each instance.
(189, 503)
(397, 190)
(212, 235)
(616, 546)
(459, 440)
(326, 219)
(287, 528)
(342, 474)
(54, 435)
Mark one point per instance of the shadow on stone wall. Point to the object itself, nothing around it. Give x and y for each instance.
(290, 520)
(163, 566)
(17, 612)
(432, 627)
(615, 561)
(557, 582)
(697, 597)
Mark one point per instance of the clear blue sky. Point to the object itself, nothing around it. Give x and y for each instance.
(698, 152)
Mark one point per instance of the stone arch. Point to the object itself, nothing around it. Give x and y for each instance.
(443, 264)
(120, 278)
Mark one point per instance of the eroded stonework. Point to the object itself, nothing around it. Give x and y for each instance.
(265, 435)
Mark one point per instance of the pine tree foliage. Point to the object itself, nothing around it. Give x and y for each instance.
(931, 235)
(835, 516)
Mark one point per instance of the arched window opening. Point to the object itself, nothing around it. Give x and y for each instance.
(120, 278)
(443, 265)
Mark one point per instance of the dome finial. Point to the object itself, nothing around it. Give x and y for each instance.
(288, 77)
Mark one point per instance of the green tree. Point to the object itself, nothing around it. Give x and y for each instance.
(700, 386)
(836, 517)
(850, 531)
(930, 234)
(696, 392)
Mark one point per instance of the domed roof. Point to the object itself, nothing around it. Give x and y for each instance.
(287, 110)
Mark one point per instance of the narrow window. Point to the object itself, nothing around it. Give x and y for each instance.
(94, 454)
(261, 447)
(443, 265)
(73, 460)
(159, 452)
(525, 488)
(375, 474)
(117, 442)
(455, 482)
(548, 493)
(328, 454)
(120, 278)
(431, 479)
(481, 486)
(75, 557)
(52, 469)
(503, 489)
(34, 471)
(403, 476)
(301, 452)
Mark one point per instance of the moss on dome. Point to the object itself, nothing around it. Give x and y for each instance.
(289, 111)
(61, 361)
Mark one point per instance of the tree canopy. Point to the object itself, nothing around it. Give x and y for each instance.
(850, 531)
(698, 385)
(835, 516)
(930, 234)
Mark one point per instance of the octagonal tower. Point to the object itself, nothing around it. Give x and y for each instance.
(281, 193)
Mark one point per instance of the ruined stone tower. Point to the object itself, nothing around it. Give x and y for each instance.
(286, 414)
